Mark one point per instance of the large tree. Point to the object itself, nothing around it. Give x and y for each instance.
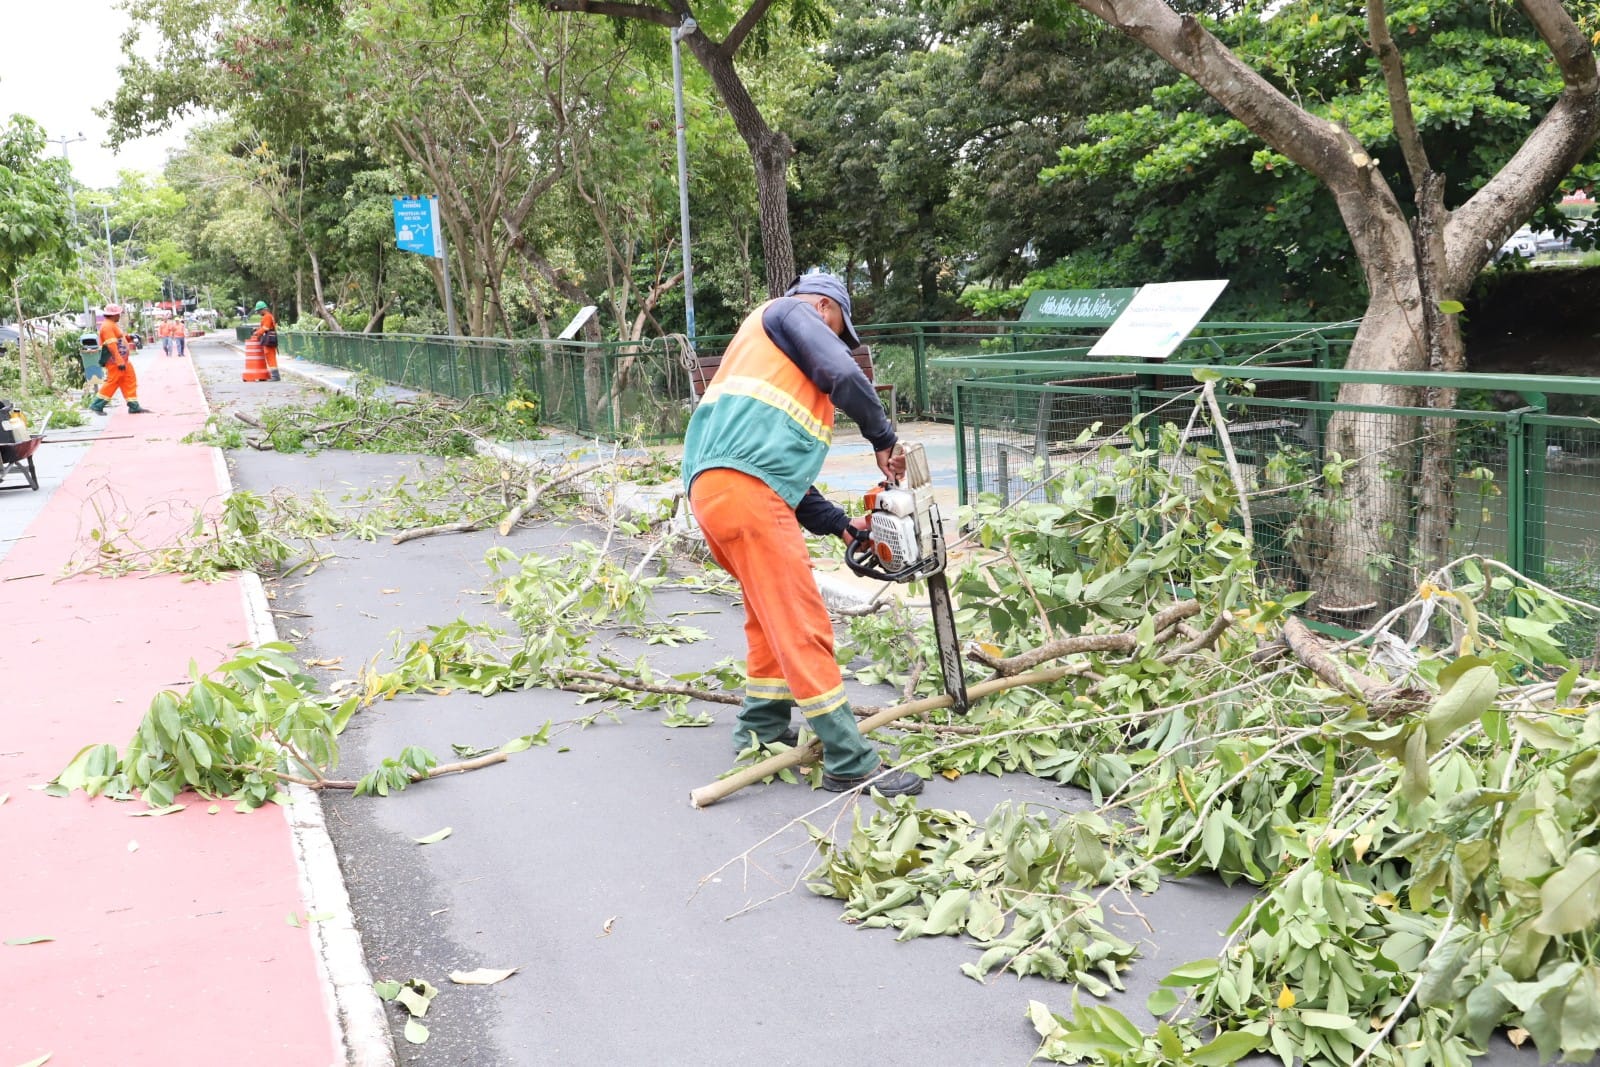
(1418, 259)
(33, 214)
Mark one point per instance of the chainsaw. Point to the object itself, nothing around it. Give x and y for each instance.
(905, 543)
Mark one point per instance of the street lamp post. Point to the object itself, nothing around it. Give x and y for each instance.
(678, 34)
(111, 258)
(72, 201)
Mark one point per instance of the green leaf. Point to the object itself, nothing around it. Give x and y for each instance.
(1580, 1015)
(435, 837)
(1570, 898)
(1161, 1001)
(414, 1001)
(28, 940)
(1452, 307)
(948, 912)
(386, 988)
(1225, 1049)
(1470, 695)
(1191, 973)
(1326, 1020)
(170, 809)
(1414, 779)
(1214, 838)
(416, 1033)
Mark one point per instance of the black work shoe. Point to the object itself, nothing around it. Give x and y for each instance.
(892, 784)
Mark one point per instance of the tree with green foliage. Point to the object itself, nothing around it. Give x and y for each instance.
(1466, 110)
(34, 211)
(720, 37)
(920, 153)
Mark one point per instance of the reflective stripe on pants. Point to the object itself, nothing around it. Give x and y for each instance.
(116, 379)
(755, 537)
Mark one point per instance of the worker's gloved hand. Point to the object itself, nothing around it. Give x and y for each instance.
(858, 526)
(891, 463)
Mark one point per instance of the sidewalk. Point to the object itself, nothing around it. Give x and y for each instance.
(155, 940)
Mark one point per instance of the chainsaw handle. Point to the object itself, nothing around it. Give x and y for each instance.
(892, 462)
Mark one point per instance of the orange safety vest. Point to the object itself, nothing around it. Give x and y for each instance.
(111, 334)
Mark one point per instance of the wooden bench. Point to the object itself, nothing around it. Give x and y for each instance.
(705, 368)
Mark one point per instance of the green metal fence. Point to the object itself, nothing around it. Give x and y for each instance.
(641, 389)
(1518, 455)
(912, 354)
(635, 391)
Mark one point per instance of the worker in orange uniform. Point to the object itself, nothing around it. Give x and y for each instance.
(754, 446)
(115, 360)
(267, 333)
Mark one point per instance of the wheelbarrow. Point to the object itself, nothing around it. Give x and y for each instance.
(16, 457)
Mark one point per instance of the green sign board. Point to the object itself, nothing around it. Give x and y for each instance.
(1077, 307)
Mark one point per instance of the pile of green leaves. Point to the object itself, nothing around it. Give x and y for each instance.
(1426, 844)
(370, 418)
(1014, 885)
(257, 720)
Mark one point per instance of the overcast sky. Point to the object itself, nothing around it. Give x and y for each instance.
(59, 62)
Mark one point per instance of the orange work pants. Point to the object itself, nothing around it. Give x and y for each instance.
(756, 538)
(123, 379)
(271, 356)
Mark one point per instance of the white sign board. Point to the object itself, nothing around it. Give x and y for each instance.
(583, 316)
(1158, 318)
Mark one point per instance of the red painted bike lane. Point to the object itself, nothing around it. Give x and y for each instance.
(169, 938)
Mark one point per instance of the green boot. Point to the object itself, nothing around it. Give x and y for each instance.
(98, 405)
(845, 753)
(135, 409)
(763, 721)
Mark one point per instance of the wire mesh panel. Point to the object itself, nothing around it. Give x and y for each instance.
(633, 390)
(1356, 501)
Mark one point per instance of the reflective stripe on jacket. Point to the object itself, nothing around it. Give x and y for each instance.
(760, 415)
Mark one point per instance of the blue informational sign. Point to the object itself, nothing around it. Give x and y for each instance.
(416, 225)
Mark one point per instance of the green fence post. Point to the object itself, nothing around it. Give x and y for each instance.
(961, 447)
(1516, 490)
(1533, 531)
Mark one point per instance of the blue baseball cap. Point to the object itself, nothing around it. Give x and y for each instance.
(828, 285)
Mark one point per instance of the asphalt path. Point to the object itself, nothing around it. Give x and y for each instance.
(584, 865)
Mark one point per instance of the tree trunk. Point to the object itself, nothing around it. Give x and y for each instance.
(316, 292)
(769, 151)
(1361, 526)
(22, 340)
(1436, 495)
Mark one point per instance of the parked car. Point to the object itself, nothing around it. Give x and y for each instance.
(1522, 243)
(1548, 241)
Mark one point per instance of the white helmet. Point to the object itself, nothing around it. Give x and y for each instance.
(113, 310)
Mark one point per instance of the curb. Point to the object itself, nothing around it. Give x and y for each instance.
(360, 1029)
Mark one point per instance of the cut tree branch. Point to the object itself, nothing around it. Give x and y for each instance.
(1165, 619)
